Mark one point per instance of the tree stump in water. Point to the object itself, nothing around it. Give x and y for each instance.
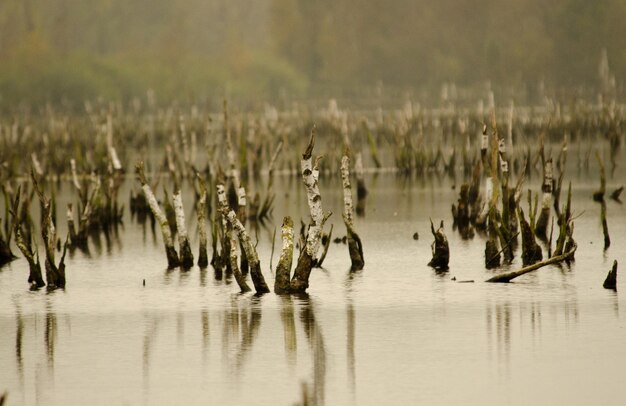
(492, 254)
(531, 251)
(440, 248)
(283, 269)
(611, 279)
(354, 242)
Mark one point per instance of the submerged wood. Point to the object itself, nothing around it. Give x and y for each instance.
(172, 256)
(509, 276)
(355, 248)
(283, 269)
(611, 278)
(186, 256)
(440, 248)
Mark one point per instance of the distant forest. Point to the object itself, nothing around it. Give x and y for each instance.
(73, 49)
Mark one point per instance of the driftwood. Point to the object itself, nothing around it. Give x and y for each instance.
(611, 279)
(508, 276)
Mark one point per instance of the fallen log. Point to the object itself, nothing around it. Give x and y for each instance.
(508, 276)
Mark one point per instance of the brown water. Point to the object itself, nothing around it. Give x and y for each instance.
(396, 333)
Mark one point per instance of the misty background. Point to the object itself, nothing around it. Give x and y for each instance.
(193, 49)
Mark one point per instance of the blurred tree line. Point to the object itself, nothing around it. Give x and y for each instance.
(54, 49)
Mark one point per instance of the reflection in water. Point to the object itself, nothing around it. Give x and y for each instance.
(249, 331)
(289, 330)
(50, 334)
(18, 343)
(316, 342)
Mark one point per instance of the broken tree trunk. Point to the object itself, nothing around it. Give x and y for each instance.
(541, 227)
(55, 276)
(172, 256)
(361, 190)
(203, 260)
(239, 277)
(186, 256)
(250, 251)
(599, 197)
(531, 251)
(440, 248)
(310, 174)
(611, 278)
(253, 259)
(27, 246)
(354, 242)
(283, 269)
(508, 276)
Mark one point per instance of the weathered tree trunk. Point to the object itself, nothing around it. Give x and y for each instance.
(354, 242)
(186, 256)
(599, 197)
(541, 227)
(239, 277)
(172, 256)
(361, 190)
(440, 249)
(201, 210)
(611, 278)
(283, 269)
(255, 266)
(35, 278)
(531, 251)
(310, 174)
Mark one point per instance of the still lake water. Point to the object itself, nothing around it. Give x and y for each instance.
(396, 333)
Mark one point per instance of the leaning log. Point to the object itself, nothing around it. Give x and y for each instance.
(172, 256)
(508, 276)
